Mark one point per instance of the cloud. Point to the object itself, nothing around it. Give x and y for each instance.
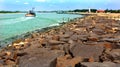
(1, 0)
(41, 0)
(17, 1)
(26, 3)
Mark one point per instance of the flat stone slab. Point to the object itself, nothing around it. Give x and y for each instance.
(98, 64)
(41, 58)
(87, 51)
(115, 53)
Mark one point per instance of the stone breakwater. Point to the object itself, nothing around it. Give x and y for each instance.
(93, 41)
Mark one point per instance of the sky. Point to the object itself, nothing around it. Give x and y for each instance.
(49, 5)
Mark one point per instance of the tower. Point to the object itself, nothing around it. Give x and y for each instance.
(89, 10)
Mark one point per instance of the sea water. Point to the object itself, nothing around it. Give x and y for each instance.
(16, 24)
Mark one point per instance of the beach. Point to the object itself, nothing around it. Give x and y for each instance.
(90, 41)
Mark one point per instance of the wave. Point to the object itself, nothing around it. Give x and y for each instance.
(56, 24)
(16, 20)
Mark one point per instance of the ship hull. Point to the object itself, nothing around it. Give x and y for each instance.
(30, 15)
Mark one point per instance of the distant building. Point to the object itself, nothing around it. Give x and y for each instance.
(100, 11)
(89, 10)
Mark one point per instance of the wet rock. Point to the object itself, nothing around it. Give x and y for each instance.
(35, 35)
(98, 64)
(87, 51)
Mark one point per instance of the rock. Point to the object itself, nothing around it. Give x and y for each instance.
(115, 53)
(111, 39)
(91, 59)
(40, 58)
(17, 41)
(9, 62)
(64, 39)
(98, 64)
(55, 42)
(107, 45)
(98, 31)
(74, 37)
(55, 47)
(87, 51)
(35, 35)
(93, 38)
(66, 61)
(1, 62)
(55, 37)
(64, 36)
(8, 53)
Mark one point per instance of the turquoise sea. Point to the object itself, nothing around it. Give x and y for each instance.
(16, 24)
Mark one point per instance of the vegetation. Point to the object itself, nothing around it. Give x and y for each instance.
(112, 11)
(9, 11)
(83, 10)
(94, 10)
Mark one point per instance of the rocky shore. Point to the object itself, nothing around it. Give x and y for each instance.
(92, 41)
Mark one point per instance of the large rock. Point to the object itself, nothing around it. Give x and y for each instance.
(115, 53)
(87, 51)
(98, 64)
(68, 61)
(55, 42)
(40, 58)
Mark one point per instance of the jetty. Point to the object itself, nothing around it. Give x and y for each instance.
(91, 41)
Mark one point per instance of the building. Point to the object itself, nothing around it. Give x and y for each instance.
(100, 11)
(89, 10)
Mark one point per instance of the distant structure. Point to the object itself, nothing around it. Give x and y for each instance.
(100, 11)
(89, 10)
(30, 13)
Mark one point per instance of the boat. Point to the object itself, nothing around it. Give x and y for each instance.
(30, 13)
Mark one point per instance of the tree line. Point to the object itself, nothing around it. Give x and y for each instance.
(94, 10)
(76, 10)
(9, 11)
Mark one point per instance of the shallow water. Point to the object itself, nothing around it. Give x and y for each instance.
(16, 24)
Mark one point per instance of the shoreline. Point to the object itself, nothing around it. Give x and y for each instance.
(87, 41)
(6, 42)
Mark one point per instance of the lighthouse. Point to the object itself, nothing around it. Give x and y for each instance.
(89, 10)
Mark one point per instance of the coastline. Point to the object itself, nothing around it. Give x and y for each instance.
(6, 42)
(83, 41)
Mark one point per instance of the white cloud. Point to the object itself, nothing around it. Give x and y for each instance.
(1, 0)
(17, 1)
(41, 0)
(26, 3)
